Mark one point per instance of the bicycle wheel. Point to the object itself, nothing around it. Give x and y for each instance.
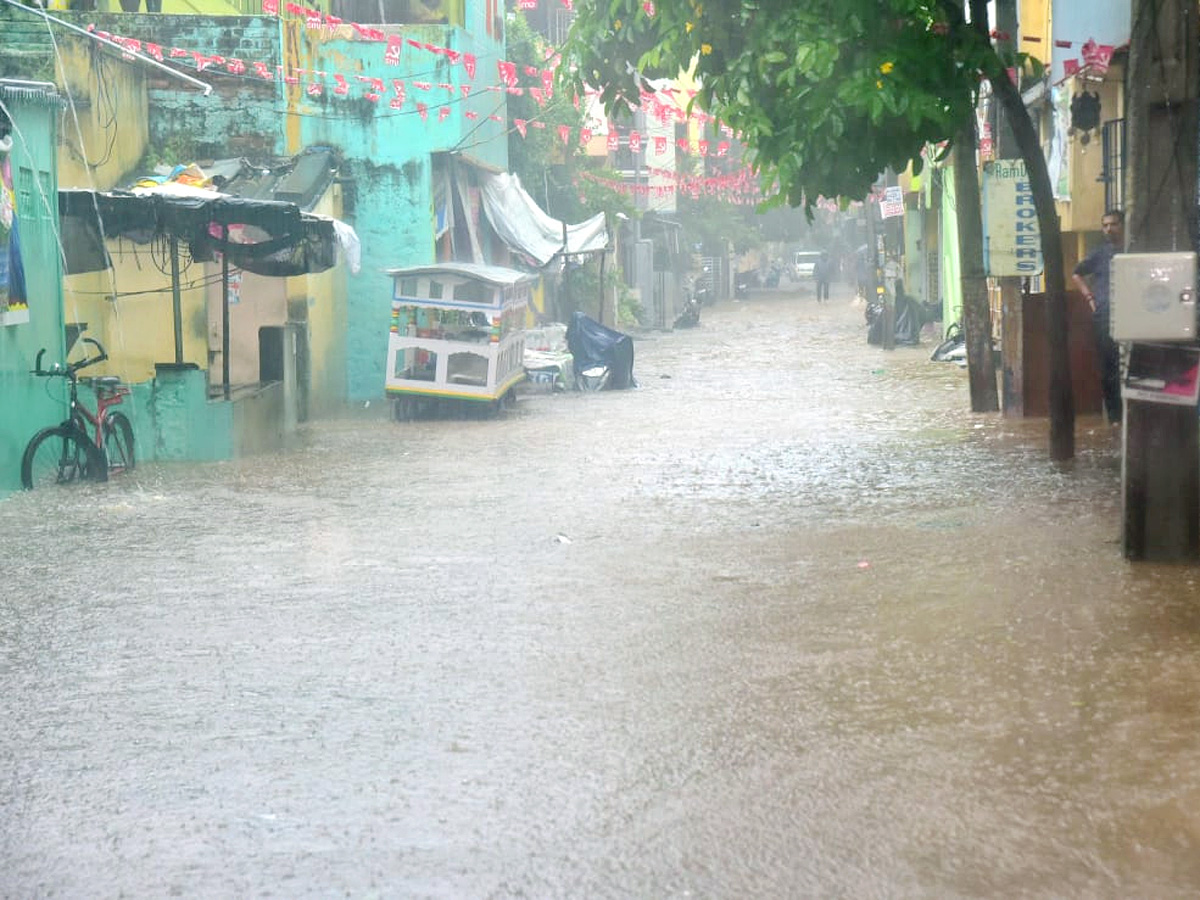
(118, 442)
(60, 455)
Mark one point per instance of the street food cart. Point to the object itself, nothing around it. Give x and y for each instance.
(457, 337)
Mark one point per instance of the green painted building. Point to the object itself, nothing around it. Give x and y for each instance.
(31, 308)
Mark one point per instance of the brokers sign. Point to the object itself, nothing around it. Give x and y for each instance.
(1012, 243)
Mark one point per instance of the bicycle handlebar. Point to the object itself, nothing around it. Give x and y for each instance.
(69, 370)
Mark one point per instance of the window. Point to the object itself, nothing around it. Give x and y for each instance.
(401, 12)
(560, 26)
(472, 292)
(1112, 173)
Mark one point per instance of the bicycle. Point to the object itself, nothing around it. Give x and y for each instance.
(67, 452)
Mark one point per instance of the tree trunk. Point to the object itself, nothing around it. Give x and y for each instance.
(1062, 401)
(977, 316)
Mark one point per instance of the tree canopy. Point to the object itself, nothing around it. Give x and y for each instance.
(826, 94)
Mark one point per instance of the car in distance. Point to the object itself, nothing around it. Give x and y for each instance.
(803, 263)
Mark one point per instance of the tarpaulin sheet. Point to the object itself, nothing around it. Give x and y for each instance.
(525, 227)
(593, 344)
(266, 237)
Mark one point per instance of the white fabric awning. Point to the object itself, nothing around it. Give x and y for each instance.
(524, 226)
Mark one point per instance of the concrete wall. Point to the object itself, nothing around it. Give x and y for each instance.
(189, 426)
(129, 310)
(31, 403)
(387, 158)
(323, 298)
(387, 152)
(104, 131)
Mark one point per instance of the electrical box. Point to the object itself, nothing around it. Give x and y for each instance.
(1152, 297)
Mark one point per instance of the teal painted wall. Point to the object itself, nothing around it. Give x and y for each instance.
(189, 427)
(387, 153)
(388, 157)
(31, 403)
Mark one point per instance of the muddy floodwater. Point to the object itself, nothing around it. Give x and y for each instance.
(785, 621)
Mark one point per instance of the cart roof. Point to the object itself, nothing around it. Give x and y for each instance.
(498, 275)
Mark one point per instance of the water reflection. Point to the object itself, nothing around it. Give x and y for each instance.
(816, 631)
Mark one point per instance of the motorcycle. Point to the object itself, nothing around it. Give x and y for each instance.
(689, 316)
(743, 281)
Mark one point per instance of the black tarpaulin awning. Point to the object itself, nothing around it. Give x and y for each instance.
(266, 237)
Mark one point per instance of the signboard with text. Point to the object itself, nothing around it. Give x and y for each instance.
(1012, 243)
(892, 203)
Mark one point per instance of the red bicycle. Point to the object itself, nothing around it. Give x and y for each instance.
(86, 445)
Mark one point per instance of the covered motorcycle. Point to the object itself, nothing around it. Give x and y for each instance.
(603, 357)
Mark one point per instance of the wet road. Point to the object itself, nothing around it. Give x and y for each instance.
(787, 621)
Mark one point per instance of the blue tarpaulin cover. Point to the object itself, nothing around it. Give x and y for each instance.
(593, 344)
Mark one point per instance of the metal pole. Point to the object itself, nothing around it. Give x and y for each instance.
(225, 313)
(176, 301)
(603, 255)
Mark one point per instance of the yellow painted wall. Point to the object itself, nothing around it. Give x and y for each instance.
(258, 301)
(105, 122)
(325, 297)
(1034, 16)
(136, 327)
(1086, 206)
(187, 7)
(319, 300)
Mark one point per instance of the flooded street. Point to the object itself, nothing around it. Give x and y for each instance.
(786, 621)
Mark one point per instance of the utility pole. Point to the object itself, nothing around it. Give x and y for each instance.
(1161, 460)
(875, 243)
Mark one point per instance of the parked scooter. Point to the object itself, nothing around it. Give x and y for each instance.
(705, 291)
(689, 316)
(744, 281)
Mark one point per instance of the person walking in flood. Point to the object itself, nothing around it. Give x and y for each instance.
(822, 273)
(1091, 278)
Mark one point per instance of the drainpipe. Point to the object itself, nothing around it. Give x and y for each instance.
(176, 301)
(225, 312)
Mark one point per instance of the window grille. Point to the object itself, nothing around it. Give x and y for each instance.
(1113, 171)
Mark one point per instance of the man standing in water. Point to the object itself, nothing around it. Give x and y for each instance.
(822, 274)
(1094, 267)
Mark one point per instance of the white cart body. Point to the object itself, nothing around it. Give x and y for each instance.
(457, 331)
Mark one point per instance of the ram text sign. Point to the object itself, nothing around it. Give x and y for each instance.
(1012, 243)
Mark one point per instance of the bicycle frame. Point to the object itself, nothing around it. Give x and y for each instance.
(107, 396)
(92, 427)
